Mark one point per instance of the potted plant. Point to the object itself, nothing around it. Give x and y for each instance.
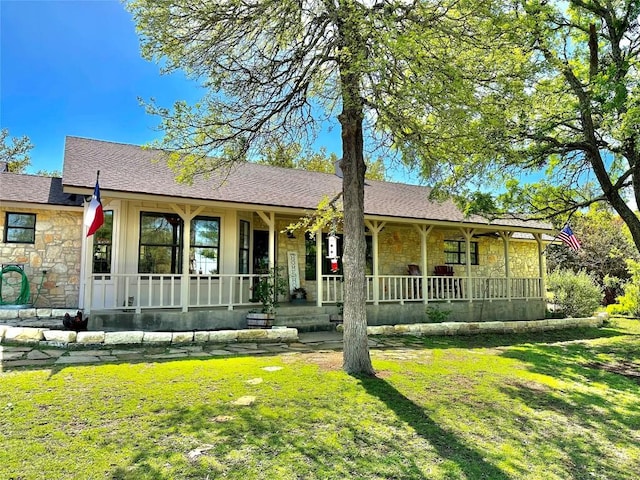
(265, 291)
(298, 295)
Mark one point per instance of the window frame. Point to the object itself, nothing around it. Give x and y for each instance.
(175, 247)
(104, 248)
(460, 252)
(9, 227)
(244, 246)
(177, 244)
(216, 247)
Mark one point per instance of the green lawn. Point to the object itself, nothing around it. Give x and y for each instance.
(560, 405)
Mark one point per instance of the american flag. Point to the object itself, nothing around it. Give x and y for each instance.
(568, 237)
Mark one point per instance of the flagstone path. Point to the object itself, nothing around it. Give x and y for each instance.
(28, 356)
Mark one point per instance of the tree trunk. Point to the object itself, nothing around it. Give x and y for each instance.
(356, 348)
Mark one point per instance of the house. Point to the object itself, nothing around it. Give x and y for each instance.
(183, 256)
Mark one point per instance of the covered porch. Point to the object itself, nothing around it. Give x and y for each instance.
(409, 268)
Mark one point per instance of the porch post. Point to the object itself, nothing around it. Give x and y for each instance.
(375, 227)
(270, 220)
(187, 215)
(319, 285)
(468, 233)
(424, 231)
(87, 270)
(541, 272)
(507, 267)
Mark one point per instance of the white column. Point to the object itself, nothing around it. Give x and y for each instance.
(187, 215)
(507, 260)
(375, 228)
(319, 285)
(270, 220)
(468, 234)
(424, 231)
(541, 272)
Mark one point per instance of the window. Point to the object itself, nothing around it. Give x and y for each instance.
(20, 228)
(161, 243)
(204, 251)
(102, 245)
(243, 255)
(310, 256)
(455, 252)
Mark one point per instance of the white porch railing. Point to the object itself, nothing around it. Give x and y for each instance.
(136, 292)
(405, 288)
(145, 291)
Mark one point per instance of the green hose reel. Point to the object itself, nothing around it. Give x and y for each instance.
(25, 292)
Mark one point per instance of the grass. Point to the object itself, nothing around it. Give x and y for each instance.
(556, 405)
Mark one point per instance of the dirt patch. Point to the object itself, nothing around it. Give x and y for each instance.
(625, 368)
(327, 360)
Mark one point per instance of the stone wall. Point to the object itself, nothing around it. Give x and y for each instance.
(56, 251)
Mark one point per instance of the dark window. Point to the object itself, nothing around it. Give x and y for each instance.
(243, 255)
(310, 256)
(20, 228)
(160, 243)
(102, 245)
(455, 252)
(204, 253)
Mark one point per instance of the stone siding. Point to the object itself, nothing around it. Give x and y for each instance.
(399, 246)
(57, 247)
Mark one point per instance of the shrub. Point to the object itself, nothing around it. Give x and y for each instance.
(435, 315)
(575, 294)
(629, 303)
(613, 288)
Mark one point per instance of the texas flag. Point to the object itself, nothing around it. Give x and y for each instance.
(95, 216)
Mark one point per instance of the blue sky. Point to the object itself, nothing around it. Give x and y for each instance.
(73, 67)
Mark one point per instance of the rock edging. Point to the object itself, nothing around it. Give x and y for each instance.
(473, 328)
(67, 338)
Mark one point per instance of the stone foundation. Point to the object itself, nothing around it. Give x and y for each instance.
(59, 338)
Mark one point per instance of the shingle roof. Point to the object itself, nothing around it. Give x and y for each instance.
(130, 168)
(35, 189)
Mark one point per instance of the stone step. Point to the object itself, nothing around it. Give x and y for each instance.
(305, 323)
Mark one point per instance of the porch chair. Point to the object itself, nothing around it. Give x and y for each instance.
(443, 271)
(448, 284)
(415, 286)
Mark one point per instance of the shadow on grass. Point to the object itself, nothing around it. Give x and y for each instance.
(589, 429)
(468, 460)
(593, 403)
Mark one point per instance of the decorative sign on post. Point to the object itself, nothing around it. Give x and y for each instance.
(333, 246)
(332, 250)
(294, 274)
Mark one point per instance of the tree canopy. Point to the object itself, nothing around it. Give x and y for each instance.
(567, 132)
(399, 74)
(294, 156)
(15, 151)
(606, 245)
